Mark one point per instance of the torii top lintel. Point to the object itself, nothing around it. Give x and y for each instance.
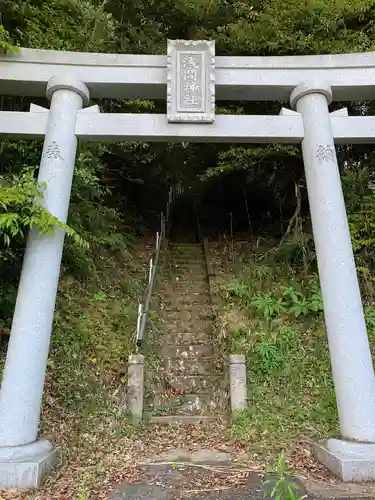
(351, 76)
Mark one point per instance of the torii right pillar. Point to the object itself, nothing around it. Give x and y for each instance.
(352, 455)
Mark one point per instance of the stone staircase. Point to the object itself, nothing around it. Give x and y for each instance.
(190, 387)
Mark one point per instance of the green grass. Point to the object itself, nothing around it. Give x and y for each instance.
(92, 338)
(93, 334)
(273, 315)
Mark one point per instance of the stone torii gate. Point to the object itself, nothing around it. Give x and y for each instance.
(191, 78)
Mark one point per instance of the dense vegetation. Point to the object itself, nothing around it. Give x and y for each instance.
(113, 183)
(119, 189)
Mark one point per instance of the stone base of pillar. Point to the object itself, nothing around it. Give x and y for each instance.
(26, 466)
(348, 460)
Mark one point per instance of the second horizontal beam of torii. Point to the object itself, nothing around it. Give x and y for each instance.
(246, 129)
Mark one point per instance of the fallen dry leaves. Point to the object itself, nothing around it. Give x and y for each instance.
(102, 460)
(94, 463)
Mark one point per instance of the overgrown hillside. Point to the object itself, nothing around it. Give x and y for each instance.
(270, 309)
(251, 202)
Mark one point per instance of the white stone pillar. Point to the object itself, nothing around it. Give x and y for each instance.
(237, 383)
(351, 361)
(23, 379)
(136, 366)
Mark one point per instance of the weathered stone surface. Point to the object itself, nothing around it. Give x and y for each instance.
(183, 338)
(238, 385)
(185, 342)
(186, 352)
(209, 456)
(180, 483)
(196, 300)
(27, 473)
(182, 419)
(135, 386)
(173, 455)
(185, 332)
(201, 366)
(178, 263)
(200, 317)
(197, 404)
(350, 461)
(184, 455)
(188, 383)
(183, 295)
(196, 286)
(140, 492)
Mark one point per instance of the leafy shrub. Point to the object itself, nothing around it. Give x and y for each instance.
(267, 305)
(284, 486)
(359, 191)
(370, 318)
(6, 44)
(269, 356)
(298, 250)
(241, 290)
(21, 209)
(297, 299)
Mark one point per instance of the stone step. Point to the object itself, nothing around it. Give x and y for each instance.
(178, 261)
(182, 420)
(169, 293)
(197, 404)
(187, 261)
(201, 319)
(197, 250)
(192, 383)
(197, 265)
(184, 292)
(194, 247)
(195, 282)
(201, 366)
(188, 274)
(181, 256)
(183, 337)
(186, 302)
(188, 331)
(184, 404)
(198, 313)
(185, 305)
(184, 244)
(189, 286)
(187, 352)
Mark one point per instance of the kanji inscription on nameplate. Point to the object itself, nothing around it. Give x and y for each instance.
(191, 81)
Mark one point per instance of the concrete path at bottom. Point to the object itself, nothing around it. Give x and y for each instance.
(204, 482)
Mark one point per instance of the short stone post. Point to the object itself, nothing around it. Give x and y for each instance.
(23, 458)
(237, 380)
(135, 386)
(351, 361)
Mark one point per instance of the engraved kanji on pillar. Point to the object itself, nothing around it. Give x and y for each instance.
(191, 81)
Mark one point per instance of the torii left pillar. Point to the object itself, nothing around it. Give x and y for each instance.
(24, 459)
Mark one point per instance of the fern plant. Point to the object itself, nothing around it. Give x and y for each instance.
(302, 304)
(5, 41)
(267, 305)
(21, 210)
(268, 353)
(240, 290)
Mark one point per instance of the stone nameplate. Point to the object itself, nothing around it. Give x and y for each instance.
(191, 81)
